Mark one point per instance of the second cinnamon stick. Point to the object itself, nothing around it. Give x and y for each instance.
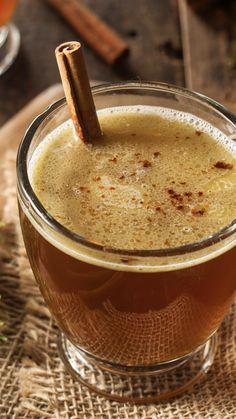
(104, 40)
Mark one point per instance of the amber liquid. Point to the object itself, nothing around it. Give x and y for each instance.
(131, 318)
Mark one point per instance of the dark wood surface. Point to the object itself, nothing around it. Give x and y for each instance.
(209, 48)
(157, 38)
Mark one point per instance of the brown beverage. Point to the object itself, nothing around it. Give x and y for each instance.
(156, 180)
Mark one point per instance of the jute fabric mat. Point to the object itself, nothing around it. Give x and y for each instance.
(33, 381)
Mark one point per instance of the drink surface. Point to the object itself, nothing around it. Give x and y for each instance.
(156, 179)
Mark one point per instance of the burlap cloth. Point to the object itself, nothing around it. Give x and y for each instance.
(33, 380)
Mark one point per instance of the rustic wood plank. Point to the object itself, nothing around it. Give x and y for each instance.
(207, 39)
(151, 27)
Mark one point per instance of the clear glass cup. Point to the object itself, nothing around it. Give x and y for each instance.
(9, 35)
(151, 347)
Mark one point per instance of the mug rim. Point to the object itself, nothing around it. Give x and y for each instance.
(28, 196)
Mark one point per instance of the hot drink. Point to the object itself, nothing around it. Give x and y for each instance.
(158, 179)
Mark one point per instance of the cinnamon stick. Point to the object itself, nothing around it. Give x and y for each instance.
(107, 43)
(78, 94)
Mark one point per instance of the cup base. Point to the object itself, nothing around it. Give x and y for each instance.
(9, 46)
(147, 384)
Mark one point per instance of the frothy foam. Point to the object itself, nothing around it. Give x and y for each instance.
(151, 182)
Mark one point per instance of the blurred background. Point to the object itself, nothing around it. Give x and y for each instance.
(190, 43)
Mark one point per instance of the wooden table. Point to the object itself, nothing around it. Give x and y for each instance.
(169, 41)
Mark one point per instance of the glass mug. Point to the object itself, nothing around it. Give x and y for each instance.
(136, 325)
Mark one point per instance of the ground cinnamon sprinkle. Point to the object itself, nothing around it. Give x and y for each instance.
(96, 178)
(92, 211)
(156, 153)
(112, 188)
(223, 165)
(159, 209)
(177, 197)
(145, 163)
(122, 177)
(198, 211)
(198, 132)
(114, 160)
(188, 194)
